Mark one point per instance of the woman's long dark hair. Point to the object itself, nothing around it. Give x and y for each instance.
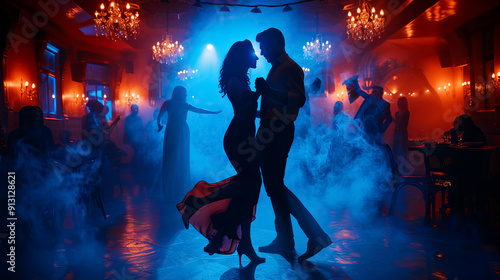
(236, 65)
(177, 94)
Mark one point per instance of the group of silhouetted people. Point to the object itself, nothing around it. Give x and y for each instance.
(223, 211)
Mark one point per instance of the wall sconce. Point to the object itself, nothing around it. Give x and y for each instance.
(104, 99)
(479, 89)
(29, 92)
(495, 81)
(306, 70)
(466, 88)
(467, 92)
(447, 89)
(132, 98)
(80, 100)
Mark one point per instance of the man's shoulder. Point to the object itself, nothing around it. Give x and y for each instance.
(291, 67)
(385, 103)
(289, 62)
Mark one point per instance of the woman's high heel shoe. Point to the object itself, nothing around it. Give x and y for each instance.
(211, 249)
(250, 252)
(215, 243)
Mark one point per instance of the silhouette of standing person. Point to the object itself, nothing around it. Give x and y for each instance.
(338, 115)
(29, 151)
(95, 128)
(342, 147)
(91, 128)
(283, 94)
(401, 120)
(105, 126)
(175, 167)
(133, 128)
(134, 136)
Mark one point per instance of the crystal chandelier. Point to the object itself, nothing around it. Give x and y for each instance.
(367, 24)
(113, 25)
(187, 74)
(167, 51)
(317, 49)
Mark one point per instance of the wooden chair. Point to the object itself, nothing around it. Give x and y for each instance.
(399, 181)
(440, 173)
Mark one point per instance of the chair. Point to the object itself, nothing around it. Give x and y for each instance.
(440, 173)
(399, 181)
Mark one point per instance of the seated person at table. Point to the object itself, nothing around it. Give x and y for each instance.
(471, 132)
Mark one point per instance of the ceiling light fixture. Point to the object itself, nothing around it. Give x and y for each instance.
(367, 24)
(114, 25)
(167, 51)
(317, 49)
(197, 4)
(256, 10)
(287, 8)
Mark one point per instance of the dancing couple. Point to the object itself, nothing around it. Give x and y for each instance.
(223, 211)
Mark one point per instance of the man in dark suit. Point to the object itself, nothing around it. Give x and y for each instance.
(374, 113)
(283, 94)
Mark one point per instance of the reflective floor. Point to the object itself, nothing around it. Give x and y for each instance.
(143, 238)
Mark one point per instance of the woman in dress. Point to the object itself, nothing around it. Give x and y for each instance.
(175, 168)
(223, 211)
(401, 130)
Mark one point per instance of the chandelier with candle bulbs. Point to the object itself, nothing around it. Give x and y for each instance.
(187, 74)
(115, 25)
(317, 49)
(367, 24)
(167, 51)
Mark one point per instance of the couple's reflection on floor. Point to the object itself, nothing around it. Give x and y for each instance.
(244, 273)
(320, 271)
(308, 270)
